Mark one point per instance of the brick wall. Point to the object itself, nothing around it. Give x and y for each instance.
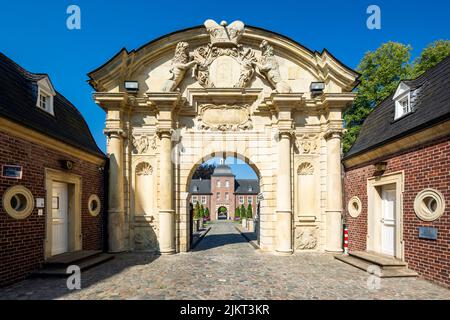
(22, 241)
(223, 189)
(427, 166)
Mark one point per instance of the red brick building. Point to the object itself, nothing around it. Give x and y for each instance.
(224, 191)
(397, 179)
(51, 179)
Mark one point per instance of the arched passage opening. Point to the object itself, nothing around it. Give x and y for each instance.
(224, 190)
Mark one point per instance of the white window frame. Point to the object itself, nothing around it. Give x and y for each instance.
(217, 195)
(250, 200)
(227, 183)
(227, 196)
(194, 199)
(218, 184)
(402, 95)
(241, 200)
(45, 89)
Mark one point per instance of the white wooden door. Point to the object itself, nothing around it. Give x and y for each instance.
(60, 218)
(388, 224)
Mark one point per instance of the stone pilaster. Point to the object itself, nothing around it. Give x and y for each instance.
(166, 104)
(334, 193)
(284, 104)
(116, 211)
(284, 195)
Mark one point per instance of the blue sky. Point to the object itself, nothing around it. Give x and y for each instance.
(34, 33)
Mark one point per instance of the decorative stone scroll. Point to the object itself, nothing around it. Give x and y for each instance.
(142, 143)
(224, 117)
(307, 144)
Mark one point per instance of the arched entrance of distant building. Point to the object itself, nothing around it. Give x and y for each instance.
(222, 213)
(218, 90)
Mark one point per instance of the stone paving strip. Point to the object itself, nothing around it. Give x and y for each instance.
(225, 266)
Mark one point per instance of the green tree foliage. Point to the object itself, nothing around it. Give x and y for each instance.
(243, 212)
(197, 211)
(202, 211)
(237, 213)
(207, 213)
(249, 211)
(204, 171)
(433, 54)
(381, 71)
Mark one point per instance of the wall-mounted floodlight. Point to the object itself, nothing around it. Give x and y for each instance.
(317, 87)
(132, 85)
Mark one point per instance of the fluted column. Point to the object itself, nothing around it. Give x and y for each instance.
(116, 211)
(284, 201)
(334, 193)
(166, 211)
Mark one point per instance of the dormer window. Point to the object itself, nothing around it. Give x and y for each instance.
(195, 188)
(45, 95)
(250, 188)
(402, 99)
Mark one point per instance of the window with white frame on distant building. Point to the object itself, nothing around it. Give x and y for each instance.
(227, 196)
(250, 188)
(203, 199)
(227, 183)
(250, 200)
(241, 199)
(218, 184)
(194, 199)
(218, 196)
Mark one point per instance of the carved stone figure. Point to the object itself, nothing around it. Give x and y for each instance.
(306, 239)
(269, 68)
(180, 64)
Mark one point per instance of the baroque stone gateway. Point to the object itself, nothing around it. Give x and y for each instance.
(221, 90)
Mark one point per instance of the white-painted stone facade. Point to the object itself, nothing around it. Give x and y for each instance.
(224, 90)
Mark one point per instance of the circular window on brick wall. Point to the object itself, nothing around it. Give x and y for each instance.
(18, 202)
(429, 204)
(354, 207)
(94, 205)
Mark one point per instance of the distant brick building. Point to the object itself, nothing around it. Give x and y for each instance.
(397, 180)
(51, 179)
(223, 190)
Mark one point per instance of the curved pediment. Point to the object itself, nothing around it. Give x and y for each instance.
(223, 56)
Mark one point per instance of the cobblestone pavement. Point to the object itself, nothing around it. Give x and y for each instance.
(225, 266)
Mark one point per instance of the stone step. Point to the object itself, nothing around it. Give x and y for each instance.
(389, 271)
(70, 258)
(378, 259)
(84, 264)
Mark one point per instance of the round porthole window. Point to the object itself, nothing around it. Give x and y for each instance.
(94, 205)
(429, 205)
(18, 202)
(354, 207)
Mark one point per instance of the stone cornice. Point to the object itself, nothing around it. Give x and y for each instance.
(337, 100)
(108, 100)
(239, 96)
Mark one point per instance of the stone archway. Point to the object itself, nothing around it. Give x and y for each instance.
(224, 88)
(222, 213)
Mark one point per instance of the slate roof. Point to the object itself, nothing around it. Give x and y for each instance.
(203, 186)
(223, 170)
(241, 186)
(18, 96)
(430, 101)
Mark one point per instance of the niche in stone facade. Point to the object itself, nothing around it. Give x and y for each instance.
(144, 190)
(307, 197)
